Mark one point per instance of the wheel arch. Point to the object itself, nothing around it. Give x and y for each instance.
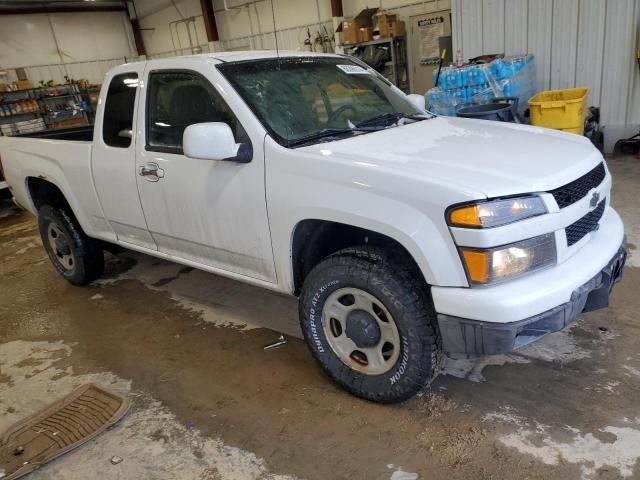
(312, 240)
(42, 191)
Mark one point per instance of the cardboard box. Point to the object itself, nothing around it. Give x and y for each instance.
(3, 87)
(397, 29)
(389, 25)
(349, 31)
(23, 84)
(382, 22)
(350, 27)
(365, 34)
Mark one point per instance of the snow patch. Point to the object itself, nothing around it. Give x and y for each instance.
(631, 370)
(471, 369)
(585, 450)
(400, 474)
(150, 440)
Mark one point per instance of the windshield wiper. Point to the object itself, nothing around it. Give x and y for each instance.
(330, 132)
(388, 119)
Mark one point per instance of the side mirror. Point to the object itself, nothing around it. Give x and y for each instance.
(213, 141)
(418, 101)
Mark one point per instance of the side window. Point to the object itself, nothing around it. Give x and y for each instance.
(177, 100)
(117, 124)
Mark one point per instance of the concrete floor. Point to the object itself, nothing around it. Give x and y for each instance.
(209, 403)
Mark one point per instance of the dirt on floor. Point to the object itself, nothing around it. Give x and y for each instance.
(210, 403)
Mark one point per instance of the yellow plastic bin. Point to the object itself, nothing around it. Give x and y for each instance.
(560, 109)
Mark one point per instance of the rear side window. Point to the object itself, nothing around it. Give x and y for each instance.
(177, 99)
(118, 110)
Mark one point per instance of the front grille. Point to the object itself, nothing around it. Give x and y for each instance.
(578, 189)
(586, 224)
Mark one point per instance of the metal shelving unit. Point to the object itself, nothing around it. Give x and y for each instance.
(37, 109)
(395, 70)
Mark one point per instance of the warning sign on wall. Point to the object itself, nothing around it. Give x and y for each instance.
(430, 30)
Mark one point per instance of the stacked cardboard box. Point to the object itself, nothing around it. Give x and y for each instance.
(389, 25)
(369, 24)
(359, 28)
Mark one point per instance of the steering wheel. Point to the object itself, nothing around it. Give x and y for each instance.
(339, 111)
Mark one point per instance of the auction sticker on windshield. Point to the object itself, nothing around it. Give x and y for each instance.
(352, 69)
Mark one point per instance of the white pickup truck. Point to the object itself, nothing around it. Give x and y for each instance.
(403, 234)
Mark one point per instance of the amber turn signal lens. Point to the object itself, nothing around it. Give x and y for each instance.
(466, 216)
(477, 265)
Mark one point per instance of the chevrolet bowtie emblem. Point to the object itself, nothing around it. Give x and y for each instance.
(594, 199)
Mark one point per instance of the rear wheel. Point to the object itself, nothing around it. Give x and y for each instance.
(368, 320)
(78, 258)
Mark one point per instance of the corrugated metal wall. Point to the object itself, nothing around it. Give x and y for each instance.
(576, 43)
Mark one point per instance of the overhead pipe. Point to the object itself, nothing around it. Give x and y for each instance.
(187, 23)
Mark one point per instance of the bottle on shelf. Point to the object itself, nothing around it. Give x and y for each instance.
(459, 61)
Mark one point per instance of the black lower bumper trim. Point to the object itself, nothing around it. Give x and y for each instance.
(473, 337)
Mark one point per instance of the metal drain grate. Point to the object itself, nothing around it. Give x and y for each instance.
(58, 429)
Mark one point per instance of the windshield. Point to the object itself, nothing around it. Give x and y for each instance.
(299, 98)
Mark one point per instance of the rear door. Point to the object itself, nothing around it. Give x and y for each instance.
(113, 159)
(205, 211)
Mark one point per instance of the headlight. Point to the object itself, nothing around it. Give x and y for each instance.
(493, 265)
(495, 212)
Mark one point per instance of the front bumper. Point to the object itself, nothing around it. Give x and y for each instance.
(472, 337)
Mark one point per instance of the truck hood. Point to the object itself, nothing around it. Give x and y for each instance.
(491, 158)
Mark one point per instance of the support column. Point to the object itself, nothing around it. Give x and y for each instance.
(138, 41)
(338, 14)
(336, 8)
(137, 37)
(209, 17)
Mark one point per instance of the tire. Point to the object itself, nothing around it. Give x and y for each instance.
(78, 258)
(402, 300)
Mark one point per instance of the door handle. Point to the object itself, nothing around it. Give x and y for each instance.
(151, 170)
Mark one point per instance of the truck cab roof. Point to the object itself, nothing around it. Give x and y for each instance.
(228, 57)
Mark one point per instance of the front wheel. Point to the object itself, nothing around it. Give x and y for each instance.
(369, 323)
(78, 258)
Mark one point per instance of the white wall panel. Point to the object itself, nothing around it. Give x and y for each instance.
(515, 28)
(84, 37)
(590, 46)
(564, 38)
(472, 28)
(620, 35)
(29, 40)
(540, 20)
(161, 33)
(493, 26)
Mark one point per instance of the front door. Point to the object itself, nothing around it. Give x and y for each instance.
(425, 34)
(205, 211)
